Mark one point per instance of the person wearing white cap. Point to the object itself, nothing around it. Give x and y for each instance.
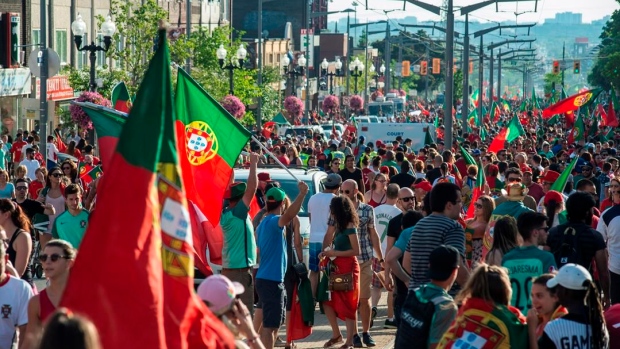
(221, 297)
(584, 325)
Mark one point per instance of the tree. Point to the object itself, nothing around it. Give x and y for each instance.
(606, 70)
(458, 85)
(552, 80)
(79, 79)
(362, 39)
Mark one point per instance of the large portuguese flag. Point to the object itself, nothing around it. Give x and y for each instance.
(571, 103)
(141, 230)
(108, 125)
(209, 143)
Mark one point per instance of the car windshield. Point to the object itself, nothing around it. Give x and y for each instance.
(298, 132)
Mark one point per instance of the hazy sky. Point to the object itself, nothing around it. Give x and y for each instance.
(591, 10)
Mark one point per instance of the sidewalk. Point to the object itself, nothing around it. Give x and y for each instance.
(321, 331)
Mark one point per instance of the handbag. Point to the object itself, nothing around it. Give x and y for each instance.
(340, 282)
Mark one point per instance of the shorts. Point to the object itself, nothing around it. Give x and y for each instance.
(315, 249)
(245, 278)
(376, 267)
(272, 299)
(365, 279)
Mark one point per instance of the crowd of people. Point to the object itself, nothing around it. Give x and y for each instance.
(530, 259)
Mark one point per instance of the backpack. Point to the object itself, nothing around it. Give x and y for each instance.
(416, 319)
(569, 250)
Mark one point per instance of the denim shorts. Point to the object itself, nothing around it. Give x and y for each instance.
(315, 249)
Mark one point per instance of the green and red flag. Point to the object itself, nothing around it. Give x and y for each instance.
(508, 134)
(560, 183)
(483, 133)
(209, 142)
(428, 137)
(499, 141)
(572, 103)
(473, 119)
(121, 100)
(108, 124)
(535, 106)
(578, 131)
(89, 173)
(495, 112)
(505, 105)
(474, 98)
(478, 190)
(611, 118)
(84, 168)
(145, 235)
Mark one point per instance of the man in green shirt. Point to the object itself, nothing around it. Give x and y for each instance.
(239, 248)
(528, 261)
(71, 224)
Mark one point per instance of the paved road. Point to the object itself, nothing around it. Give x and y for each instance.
(321, 331)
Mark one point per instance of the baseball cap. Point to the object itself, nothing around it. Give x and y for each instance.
(236, 190)
(550, 176)
(442, 262)
(553, 195)
(571, 276)
(332, 180)
(264, 176)
(275, 195)
(219, 292)
(424, 185)
(476, 152)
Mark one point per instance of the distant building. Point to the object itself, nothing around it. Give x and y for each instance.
(565, 18)
(275, 16)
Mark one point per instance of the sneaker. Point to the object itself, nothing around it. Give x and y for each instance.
(368, 340)
(357, 341)
(390, 324)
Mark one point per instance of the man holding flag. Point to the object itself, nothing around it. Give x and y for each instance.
(239, 251)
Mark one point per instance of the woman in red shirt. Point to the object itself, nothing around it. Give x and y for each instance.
(35, 186)
(57, 259)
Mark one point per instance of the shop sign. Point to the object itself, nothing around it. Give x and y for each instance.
(58, 88)
(15, 82)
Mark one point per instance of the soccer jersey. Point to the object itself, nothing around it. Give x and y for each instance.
(14, 297)
(70, 228)
(523, 264)
(383, 215)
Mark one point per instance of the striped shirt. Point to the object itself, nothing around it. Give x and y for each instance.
(570, 331)
(428, 234)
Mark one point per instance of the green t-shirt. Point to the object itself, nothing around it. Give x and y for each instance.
(342, 241)
(71, 228)
(445, 311)
(3, 158)
(389, 163)
(238, 230)
(523, 264)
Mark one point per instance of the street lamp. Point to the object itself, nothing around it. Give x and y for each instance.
(377, 74)
(356, 68)
(222, 53)
(295, 72)
(108, 28)
(338, 66)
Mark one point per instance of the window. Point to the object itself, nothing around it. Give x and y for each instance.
(36, 36)
(82, 56)
(100, 54)
(119, 46)
(61, 45)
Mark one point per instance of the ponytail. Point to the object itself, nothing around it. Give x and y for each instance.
(596, 317)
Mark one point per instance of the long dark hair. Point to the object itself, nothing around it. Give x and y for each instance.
(596, 317)
(17, 214)
(505, 235)
(343, 212)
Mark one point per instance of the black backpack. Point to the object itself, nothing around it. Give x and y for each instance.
(416, 320)
(569, 250)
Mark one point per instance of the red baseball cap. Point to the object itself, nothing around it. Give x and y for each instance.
(424, 185)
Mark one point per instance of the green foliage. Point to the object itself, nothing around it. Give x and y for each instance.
(606, 70)
(79, 79)
(551, 79)
(458, 85)
(362, 39)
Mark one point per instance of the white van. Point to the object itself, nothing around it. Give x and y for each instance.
(387, 132)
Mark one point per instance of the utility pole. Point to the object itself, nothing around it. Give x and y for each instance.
(563, 64)
(499, 74)
(400, 59)
(188, 30)
(259, 77)
(428, 59)
(388, 60)
(349, 52)
(465, 102)
(44, 72)
(491, 77)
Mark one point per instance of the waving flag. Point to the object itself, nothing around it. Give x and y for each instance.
(610, 117)
(578, 131)
(571, 103)
(495, 113)
(145, 235)
(478, 190)
(560, 183)
(120, 98)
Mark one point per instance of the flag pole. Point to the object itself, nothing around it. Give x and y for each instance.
(274, 158)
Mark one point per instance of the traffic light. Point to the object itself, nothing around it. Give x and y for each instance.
(406, 68)
(436, 65)
(576, 67)
(471, 67)
(556, 67)
(423, 67)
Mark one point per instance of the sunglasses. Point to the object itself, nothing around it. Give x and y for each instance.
(407, 199)
(56, 175)
(336, 164)
(477, 205)
(345, 192)
(514, 179)
(54, 257)
(21, 187)
(66, 168)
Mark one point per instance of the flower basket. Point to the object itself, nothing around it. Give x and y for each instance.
(293, 106)
(330, 104)
(234, 106)
(356, 103)
(79, 116)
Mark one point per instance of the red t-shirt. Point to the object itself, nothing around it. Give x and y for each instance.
(16, 150)
(365, 172)
(612, 318)
(34, 188)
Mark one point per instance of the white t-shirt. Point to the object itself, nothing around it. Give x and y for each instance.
(32, 166)
(318, 207)
(24, 148)
(383, 214)
(52, 152)
(14, 296)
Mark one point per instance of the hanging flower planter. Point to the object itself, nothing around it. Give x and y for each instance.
(376, 94)
(79, 116)
(356, 103)
(293, 106)
(234, 106)
(330, 104)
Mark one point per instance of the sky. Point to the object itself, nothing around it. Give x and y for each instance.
(590, 9)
